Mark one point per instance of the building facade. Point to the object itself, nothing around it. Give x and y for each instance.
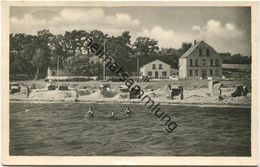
(54, 72)
(236, 70)
(156, 69)
(200, 61)
(94, 60)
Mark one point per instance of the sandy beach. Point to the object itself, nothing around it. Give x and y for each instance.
(90, 92)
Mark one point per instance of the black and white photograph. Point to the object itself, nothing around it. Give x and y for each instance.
(130, 80)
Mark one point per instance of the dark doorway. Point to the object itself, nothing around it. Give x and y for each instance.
(156, 74)
(203, 73)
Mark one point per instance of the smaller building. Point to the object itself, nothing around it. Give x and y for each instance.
(95, 59)
(156, 69)
(54, 72)
(236, 70)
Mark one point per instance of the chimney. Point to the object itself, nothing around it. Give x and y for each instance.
(195, 42)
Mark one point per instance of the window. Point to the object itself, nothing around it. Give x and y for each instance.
(191, 72)
(190, 62)
(196, 72)
(211, 72)
(207, 52)
(150, 73)
(200, 52)
(196, 62)
(216, 72)
(160, 66)
(217, 62)
(154, 66)
(203, 73)
(211, 62)
(164, 73)
(203, 62)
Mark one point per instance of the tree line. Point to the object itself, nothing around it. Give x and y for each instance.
(31, 55)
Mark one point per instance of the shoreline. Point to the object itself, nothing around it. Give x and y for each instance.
(89, 92)
(132, 102)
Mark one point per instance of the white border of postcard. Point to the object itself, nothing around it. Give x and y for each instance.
(127, 160)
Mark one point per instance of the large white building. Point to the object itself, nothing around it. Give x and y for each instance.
(200, 61)
(156, 69)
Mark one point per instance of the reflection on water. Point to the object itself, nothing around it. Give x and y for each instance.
(63, 129)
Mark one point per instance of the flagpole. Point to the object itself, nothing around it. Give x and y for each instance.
(104, 62)
(58, 64)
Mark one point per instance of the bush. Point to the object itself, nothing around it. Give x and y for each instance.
(75, 79)
(63, 87)
(114, 79)
(34, 86)
(52, 87)
(20, 77)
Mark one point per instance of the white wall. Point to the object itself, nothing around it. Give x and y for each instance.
(94, 59)
(182, 68)
(149, 68)
(185, 67)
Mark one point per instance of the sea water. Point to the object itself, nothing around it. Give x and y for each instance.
(57, 129)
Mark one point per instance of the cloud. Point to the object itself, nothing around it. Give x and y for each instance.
(69, 19)
(121, 19)
(223, 37)
(167, 38)
(27, 22)
(164, 37)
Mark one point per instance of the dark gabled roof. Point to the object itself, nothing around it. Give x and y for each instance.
(189, 51)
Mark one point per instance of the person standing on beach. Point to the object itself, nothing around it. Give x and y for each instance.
(28, 91)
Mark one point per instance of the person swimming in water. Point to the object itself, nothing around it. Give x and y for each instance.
(112, 115)
(128, 112)
(90, 112)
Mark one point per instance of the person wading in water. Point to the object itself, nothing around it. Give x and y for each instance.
(90, 113)
(128, 112)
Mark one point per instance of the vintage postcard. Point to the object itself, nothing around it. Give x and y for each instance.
(130, 83)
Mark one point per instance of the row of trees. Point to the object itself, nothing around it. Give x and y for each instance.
(31, 55)
(235, 59)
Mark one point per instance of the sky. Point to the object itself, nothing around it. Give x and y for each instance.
(226, 29)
